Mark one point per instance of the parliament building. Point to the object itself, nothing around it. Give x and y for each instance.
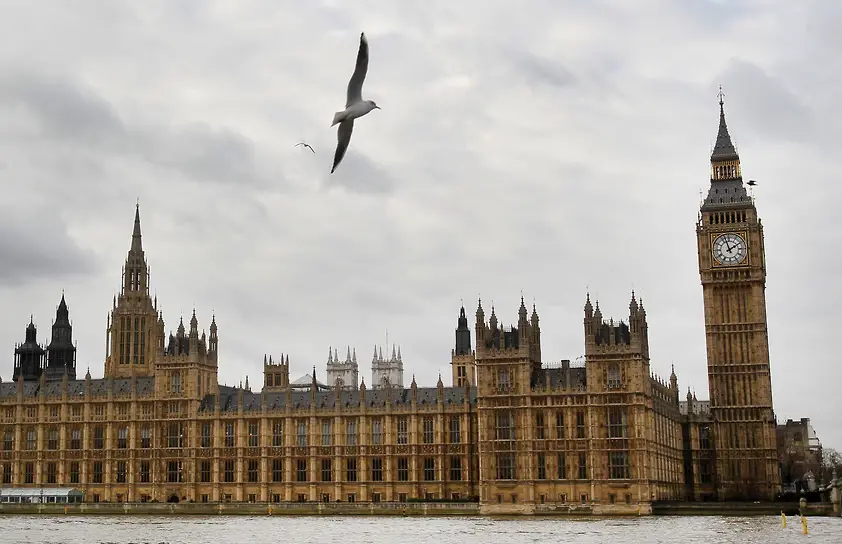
(511, 431)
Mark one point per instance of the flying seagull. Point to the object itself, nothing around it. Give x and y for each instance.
(752, 182)
(305, 144)
(355, 106)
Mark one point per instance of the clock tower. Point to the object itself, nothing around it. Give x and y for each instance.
(732, 265)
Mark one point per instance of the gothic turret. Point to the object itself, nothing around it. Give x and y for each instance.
(463, 335)
(479, 327)
(213, 340)
(29, 356)
(61, 353)
(462, 359)
(631, 336)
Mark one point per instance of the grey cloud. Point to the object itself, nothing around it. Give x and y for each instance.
(359, 174)
(34, 246)
(74, 114)
(762, 99)
(543, 70)
(65, 111)
(203, 153)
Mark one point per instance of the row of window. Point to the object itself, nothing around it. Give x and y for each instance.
(132, 347)
(98, 411)
(617, 424)
(228, 470)
(175, 434)
(618, 466)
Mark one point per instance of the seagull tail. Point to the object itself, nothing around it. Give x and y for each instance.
(337, 117)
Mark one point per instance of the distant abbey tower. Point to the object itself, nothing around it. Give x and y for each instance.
(344, 374)
(386, 372)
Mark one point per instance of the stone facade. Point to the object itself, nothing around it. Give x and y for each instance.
(732, 266)
(800, 455)
(601, 435)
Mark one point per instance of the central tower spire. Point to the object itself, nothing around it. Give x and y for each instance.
(137, 245)
(136, 271)
(134, 329)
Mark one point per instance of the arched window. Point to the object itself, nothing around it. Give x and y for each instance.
(614, 378)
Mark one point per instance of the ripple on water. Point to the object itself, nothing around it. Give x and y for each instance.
(399, 530)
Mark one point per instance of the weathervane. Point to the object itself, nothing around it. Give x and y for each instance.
(721, 95)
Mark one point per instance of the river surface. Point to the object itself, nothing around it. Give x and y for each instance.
(398, 530)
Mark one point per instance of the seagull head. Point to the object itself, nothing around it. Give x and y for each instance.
(373, 105)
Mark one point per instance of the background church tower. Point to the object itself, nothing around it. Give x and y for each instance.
(732, 266)
(135, 331)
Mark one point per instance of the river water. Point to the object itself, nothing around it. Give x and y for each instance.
(398, 530)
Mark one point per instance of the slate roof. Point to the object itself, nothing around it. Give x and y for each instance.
(374, 398)
(724, 193)
(556, 376)
(122, 386)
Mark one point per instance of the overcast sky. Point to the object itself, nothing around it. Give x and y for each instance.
(555, 147)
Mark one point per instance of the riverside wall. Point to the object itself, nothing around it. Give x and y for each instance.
(407, 509)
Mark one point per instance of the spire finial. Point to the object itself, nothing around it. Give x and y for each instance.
(721, 96)
(137, 245)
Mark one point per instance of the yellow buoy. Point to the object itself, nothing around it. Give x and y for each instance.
(783, 520)
(804, 524)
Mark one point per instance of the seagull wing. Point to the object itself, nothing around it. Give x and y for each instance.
(343, 138)
(355, 85)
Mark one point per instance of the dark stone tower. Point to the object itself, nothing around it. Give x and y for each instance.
(61, 353)
(29, 356)
(462, 361)
(463, 335)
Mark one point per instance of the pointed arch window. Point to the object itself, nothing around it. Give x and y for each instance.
(175, 382)
(614, 378)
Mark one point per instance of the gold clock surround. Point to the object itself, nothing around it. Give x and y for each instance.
(714, 236)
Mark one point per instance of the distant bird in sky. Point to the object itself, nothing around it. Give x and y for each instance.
(355, 106)
(305, 144)
(752, 182)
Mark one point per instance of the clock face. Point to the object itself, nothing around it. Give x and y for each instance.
(729, 249)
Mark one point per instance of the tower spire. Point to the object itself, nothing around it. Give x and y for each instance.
(726, 178)
(724, 149)
(137, 245)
